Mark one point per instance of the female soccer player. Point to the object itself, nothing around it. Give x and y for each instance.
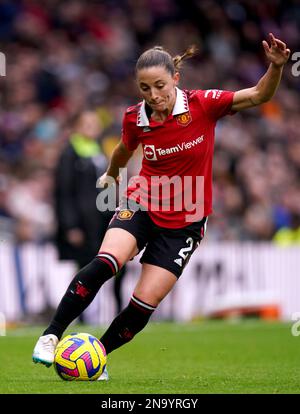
(176, 129)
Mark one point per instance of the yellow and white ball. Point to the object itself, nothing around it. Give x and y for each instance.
(80, 357)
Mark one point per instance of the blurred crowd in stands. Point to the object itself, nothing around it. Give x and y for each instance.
(63, 57)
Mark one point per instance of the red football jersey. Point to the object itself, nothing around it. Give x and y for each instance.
(175, 181)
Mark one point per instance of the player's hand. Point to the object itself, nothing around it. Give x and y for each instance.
(106, 181)
(278, 53)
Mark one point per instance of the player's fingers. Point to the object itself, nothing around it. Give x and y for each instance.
(272, 39)
(266, 46)
(287, 53)
(280, 44)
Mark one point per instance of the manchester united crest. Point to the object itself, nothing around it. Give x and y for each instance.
(184, 119)
(125, 214)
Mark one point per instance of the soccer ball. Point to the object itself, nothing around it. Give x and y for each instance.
(79, 357)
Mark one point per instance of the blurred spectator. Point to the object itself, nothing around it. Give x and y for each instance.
(28, 201)
(289, 236)
(7, 227)
(80, 225)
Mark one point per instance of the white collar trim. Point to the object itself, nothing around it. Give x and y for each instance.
(181, 106)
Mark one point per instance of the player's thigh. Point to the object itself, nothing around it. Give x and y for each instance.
(120, 243)
(154, 284)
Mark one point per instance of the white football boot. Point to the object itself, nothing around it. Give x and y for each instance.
(104, 376)
(43, 352)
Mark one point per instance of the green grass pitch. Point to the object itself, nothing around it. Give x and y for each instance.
(170, 358)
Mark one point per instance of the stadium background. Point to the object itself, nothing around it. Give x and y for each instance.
(65, 56)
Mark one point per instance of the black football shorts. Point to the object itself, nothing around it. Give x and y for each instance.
(170, 249)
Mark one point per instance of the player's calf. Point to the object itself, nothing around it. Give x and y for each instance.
(81, 292)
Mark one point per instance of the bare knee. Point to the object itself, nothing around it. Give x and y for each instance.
(149, 297)
(154, 284)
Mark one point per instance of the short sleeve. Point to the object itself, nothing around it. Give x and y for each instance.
(129, 134)
(216, 103)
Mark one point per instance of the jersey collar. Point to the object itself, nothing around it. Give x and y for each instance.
(181, 106)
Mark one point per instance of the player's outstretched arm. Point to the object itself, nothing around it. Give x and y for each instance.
(277, 54)
(119, 159)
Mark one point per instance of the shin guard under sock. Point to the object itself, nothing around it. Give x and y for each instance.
(82, 291)
(127, 324)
